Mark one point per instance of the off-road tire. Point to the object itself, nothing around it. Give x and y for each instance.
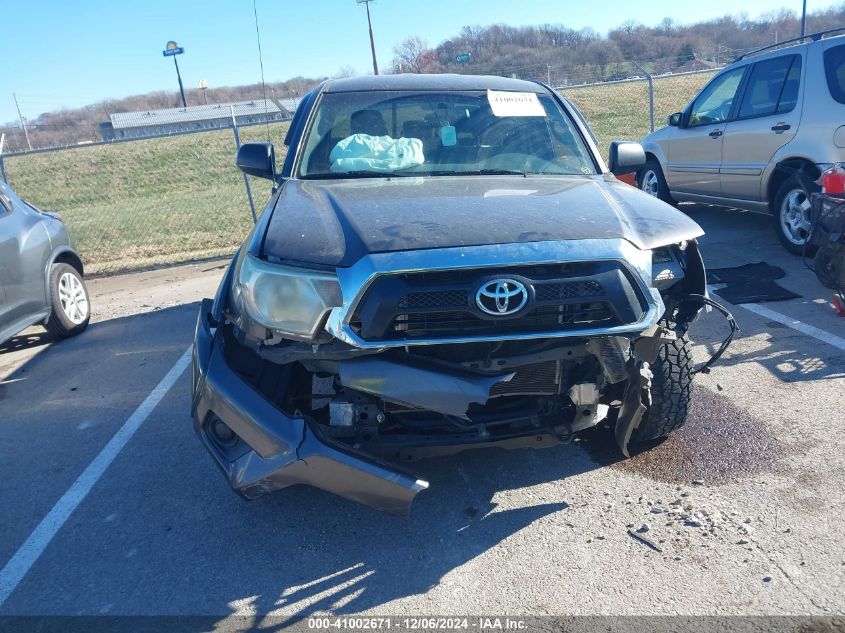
(671, 392)
(59, 324)
(652, 166)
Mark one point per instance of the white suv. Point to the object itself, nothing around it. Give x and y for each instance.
(757, 136)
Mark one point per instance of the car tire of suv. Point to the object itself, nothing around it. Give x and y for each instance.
(671, 392)
(651, 180)
(70, 307)
(798, 192)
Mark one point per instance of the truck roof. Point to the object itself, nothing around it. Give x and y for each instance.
(430, 82)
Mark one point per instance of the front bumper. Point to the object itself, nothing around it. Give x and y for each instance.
(273, 450)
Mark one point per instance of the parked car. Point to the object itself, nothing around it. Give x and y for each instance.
(757, 136)
(445, 263)
(41, 276)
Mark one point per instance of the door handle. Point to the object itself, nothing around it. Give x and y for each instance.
(780, 128)
(715, 134)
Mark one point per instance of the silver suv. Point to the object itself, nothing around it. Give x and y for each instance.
(757, 136)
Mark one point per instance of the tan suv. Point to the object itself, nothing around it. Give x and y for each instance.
(757, 136)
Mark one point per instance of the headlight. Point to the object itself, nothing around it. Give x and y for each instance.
(289, 300)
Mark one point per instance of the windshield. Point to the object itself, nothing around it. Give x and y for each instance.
(401, 133)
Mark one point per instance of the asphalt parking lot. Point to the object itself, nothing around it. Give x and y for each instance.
(758, 471)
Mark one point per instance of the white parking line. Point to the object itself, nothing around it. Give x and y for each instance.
(795, 324)
(23, 560)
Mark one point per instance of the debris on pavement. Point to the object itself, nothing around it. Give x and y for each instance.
(645, 540)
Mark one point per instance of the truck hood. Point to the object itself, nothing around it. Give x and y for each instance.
(336, 222)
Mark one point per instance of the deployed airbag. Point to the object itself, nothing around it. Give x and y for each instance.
(376, 153)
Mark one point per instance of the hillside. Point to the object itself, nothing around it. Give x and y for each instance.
(564, 56)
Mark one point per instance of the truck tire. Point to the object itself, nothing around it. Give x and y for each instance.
(651, 180)
(671, 392)
(790, 215)
(69, 302)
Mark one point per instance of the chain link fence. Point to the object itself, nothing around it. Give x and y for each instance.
(620, 109)
(147, 202)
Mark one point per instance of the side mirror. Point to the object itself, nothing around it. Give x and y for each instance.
(625, 157)
(675, 119)
(257, 159)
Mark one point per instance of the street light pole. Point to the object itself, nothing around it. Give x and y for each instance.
(203, 86)
(366, 3)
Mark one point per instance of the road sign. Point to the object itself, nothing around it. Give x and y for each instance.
(173, 51)
(463, 58)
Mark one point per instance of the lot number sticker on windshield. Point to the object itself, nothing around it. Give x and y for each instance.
(515, 103)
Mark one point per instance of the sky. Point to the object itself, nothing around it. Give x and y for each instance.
(68, 53)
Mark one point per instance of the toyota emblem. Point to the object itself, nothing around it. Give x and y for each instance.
(501, 297)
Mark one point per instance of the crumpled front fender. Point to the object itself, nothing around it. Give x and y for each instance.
(278, 450)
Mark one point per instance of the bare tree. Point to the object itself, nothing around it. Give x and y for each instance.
(345, 71)
(409, 54)
(602, 53)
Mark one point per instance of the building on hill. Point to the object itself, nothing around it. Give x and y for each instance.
(146, 123)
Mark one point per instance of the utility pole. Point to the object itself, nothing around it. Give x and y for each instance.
(803, 18)
(548, 74)
(23, 123)
(366, 3)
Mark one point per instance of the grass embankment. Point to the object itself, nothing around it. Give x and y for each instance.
(143, 203)
(620, 110)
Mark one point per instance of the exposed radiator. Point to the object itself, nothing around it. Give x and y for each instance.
(536, 379)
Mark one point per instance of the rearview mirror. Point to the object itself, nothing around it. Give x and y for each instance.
(625, 157)
(675, 119)
(257, 159)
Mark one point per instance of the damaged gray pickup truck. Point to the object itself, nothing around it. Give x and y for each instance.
(445, 263)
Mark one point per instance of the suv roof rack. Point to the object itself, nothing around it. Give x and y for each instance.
(815, 37)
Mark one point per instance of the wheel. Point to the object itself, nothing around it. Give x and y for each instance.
(671, 392)
(791, 215)
(829, 265)
(70, 306)
(651, 180)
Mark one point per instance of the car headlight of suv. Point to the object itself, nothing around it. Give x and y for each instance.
(291, 301)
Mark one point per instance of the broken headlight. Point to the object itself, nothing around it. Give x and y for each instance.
(666, 268)
(291, 301)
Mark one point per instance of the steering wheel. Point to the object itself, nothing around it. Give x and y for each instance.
(725, 110)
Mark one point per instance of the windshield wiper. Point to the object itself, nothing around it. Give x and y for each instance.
(360, 173)
(479, 172)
